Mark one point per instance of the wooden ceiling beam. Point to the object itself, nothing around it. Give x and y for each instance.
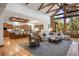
(44, 6)
(74, 4)
(75, 7)
(49, 4)
(68, 12)
(53, 10)
(71, 5)
(61, 6)
(68, 6)
(68, 16)
(50, 8)
(58, 5)
(40, 6)
(67, 9)
(56, 12)
(27, 3)
(65, 6)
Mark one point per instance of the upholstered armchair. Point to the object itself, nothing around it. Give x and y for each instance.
(34, 41)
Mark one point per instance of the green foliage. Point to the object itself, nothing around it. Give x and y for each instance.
(74, 24)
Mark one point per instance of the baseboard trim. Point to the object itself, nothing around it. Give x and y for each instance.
(1, 45)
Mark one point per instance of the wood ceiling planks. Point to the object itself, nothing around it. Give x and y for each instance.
(16, 19)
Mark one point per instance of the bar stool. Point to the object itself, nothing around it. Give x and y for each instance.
(16, 35)
(21, 34)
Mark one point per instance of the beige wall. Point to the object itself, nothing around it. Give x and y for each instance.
(2, 8)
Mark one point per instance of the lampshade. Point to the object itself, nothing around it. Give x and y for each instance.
(50, 29)
(22, 29)
(36, 29)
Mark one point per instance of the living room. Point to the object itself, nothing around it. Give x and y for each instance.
(39, 29)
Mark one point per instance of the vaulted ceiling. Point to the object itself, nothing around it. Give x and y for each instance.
(56, 9)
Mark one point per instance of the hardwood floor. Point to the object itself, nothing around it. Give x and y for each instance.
(11, 47)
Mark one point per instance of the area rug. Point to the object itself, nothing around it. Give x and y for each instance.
(49, 49)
